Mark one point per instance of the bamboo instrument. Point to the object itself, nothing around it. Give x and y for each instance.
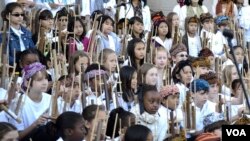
(94, 126)
(10, 113)
(176, 36)
(57, 75)
(204, 40)
(148, 46)
(107, 95)
(11, 92)
(188, 111)
(83, 97)
(172, 128)
(193, 118)
(114, 128)
(54, 111)
(220, 104)
(4, 57)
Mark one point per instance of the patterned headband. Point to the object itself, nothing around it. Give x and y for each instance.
(93, 73)
(31, 69)
(169, 90)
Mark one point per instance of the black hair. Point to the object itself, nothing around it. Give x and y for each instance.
(71, 26)
(177, 69)
(9, 8)
(142, 90)
(131, 51)
(123, 116)
(126, 74)
(156, 27)
(137, 133)
(6, 127)
(189, 2)
(61, 13)
(215, 125)
(132, 21)
(97, 12)
(67, 120)
(41, 14)
(89, 112)
(236, 84)
(102, 19)
(144, 1)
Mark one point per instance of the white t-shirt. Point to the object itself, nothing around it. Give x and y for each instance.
(77, 106)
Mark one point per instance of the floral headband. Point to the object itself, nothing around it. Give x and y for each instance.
(169, 90)
(93, 74)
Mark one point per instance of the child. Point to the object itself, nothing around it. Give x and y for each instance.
(128, 77)
(71, 127)
(76, 37)
(161, 62)
(173, 22)
(162, 34)
(191, 39)
(148, 74)
(36, 102)
(127, 119)
(207, 53)
(146, 111)
(207, 25)
(143, 133)
(69, 91)
(8, 132)
(137, 28)
(201, 66)
(178, 53)
(20, 37)
(89, 113)
(224, 8)
(228, 75)
(107, 38)
(239, 55)
(108, 59)
(77, 60)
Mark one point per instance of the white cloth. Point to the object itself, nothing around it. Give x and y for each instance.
(167, 43)
(183, 91)
(225, 90)
(76, 107)
(177, 9)
(244, 21)
(218, 44)
(194, 46)
(19, 33)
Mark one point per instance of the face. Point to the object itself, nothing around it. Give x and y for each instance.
(139, 51)
(239, 55)
(95, 84)
(138, 27)
(161, 59)
(180, 56)
(151, 76)
(78, 29)
(134, 81)
(192, 28)
(82, 61)
(151, 101)
(238, 91)
(107, 26)
(47, 23)
(208, 25)
(111, 62)
(172, 101)
(214, 89)
(211, 60)
(202, 70)
(186, 75)
(11, 136)
(40, 82)
(29, 59)
(79, 131)
(234, 74)
(200, 98)
(16, 16)
(163, 29)
(175, 20)
(62, 22)
(150, 137)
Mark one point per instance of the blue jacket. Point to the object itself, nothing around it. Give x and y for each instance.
(104, 42)
(14, 42)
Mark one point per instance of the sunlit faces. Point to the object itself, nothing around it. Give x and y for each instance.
(234, 74)
(134, 81)
(192, 28)
(151, 76)
(214, 89)
(139, 51)
(175, 20)
(11, 136)
(39, 82)
(163, 29)
(110, 62)
(16, 17)
(186, 75)
(200, 98)
(180, 56)
(239, 55)
(138, 27)
(151, 101)
(208, 25)
(161, 59)
(107, 26)
(81, 61)
(78, 29)
(171, 101)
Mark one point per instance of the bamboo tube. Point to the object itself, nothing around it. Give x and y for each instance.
(114, 129)
(10, 113)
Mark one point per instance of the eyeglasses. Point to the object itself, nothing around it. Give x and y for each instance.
(183, 55)
(18, 15)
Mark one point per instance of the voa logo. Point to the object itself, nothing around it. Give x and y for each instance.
(236, 132)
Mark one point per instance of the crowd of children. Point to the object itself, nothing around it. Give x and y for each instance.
(114, 70)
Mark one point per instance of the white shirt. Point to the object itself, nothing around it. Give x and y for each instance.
(177, 9)
(19, 33)
(167, 43)
(244, 21)
(194, 46)
(218, 44)
(76, 107)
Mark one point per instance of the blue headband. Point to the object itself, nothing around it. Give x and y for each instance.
(220, 19)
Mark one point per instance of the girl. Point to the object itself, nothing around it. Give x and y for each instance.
(182, 76)
(20, 37)
(8, 132)
(108, 59)
(208, 54)
(173, 22)
(77, 60)
(71, 127)
(43, 33)
(89, 114)
(148, 74)
(162, 34)
(201, 66)
(137, 8)
(161, 61)
(143, 133)
(36, 101)
(127, 119)
(178, 53)
(191, 39)
(146, 111)
(224, 7)
(76, 40)
(137, 28)
(107, 38)
(128, 77)
(136, 53)
(228, 75)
